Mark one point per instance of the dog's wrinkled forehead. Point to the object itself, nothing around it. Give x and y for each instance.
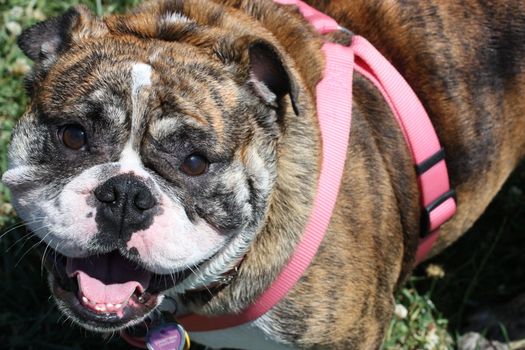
(161, 75)
(146, 90)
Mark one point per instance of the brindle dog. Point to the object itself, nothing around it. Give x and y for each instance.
(209, 105)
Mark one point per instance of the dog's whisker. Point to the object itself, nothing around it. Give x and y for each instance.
(68, 319)
(108, 338)
(173, 278)
(19, 225)
(145, 324)
(199, 275)
(31, 248)
(55, 252)
(26, 253)
(11, 229)
(62, 319)
(44, 258)
(26, 237)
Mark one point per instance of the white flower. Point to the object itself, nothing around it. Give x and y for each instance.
(401, 311)
(38, 15)
(435, 271)
(6, 209)
(431, 339)
(20, 67)
(16, 12)
(13, 28)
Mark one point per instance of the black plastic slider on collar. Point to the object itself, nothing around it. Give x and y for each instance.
(421, 168)
(425, 216)
(430, 162)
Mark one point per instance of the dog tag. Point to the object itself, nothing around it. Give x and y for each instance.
(168, 336)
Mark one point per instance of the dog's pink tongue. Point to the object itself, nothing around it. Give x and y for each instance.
(108, 278)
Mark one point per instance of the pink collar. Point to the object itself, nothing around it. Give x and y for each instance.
(334, 102)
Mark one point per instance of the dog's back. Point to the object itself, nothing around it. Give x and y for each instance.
(466, 62)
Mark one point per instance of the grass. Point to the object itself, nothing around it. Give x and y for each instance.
(431, 309)
(487, 265)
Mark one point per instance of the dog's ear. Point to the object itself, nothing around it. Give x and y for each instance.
(268, 74)
(261, 61)
(46, 40)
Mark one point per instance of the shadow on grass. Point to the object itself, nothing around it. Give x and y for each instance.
(487, 265)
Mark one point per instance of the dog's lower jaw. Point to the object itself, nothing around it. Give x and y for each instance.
(69, 304)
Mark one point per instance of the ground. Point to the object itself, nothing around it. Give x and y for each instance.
(485, 267)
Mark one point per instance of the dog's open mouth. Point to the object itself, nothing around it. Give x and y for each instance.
(106, 291)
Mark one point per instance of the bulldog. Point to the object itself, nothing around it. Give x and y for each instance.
(173, 153)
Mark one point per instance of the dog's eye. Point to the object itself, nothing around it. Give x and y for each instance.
(73, 136)
(195, 165)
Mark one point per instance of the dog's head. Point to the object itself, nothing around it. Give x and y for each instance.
(148, 152)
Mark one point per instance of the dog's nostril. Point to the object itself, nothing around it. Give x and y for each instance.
(143, 200)
(106, 194)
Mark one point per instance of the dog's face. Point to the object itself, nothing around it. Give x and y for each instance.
(146, 160)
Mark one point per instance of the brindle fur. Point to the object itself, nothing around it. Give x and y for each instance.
(466, 62)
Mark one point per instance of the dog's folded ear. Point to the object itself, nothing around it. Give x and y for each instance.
(269, 75)
(46, 40)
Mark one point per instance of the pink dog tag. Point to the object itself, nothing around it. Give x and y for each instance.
(168, 336)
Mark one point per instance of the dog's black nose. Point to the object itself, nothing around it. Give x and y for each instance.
(125, 205)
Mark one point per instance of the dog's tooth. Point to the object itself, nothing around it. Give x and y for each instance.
(85, 300)
(109, 306)
(100, 307)
(118, 306)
